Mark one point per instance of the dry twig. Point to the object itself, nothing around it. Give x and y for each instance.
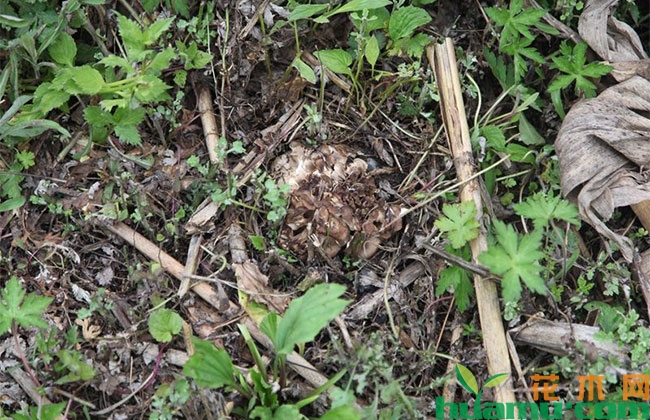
(455, 121)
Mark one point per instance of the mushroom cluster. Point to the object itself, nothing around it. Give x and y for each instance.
(333, 204)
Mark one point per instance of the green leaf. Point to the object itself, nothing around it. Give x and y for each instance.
(466, 379)
(115, 61)
(47, 97)
(155, 30)
(460, 223)
(528, 132)
(307, 315)
(377, 19)
(494, 137)
(97, 117)
(456, 280)
(78, 370)
(372, 51)
(13, 21)
(495, 380)
(336, 60)
(123, 116)
(164, 324)
(209, 367)
(26, 311)
(405, 20)
(12, 204)
(43, 412)
(87, 80)
(149, 5)
(515, 258)
(304, 11)
(63, 50)
(596, 70)
(257, 242)
(359, 5)
(128, 134)
(181, 6)
(151, 89)
(31, 128)
(542, 208)
(131, 34)
(269, 325)
(344, 412)
(304, 69)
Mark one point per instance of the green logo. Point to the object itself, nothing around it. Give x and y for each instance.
(468, 380)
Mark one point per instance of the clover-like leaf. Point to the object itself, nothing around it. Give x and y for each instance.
(163, 324)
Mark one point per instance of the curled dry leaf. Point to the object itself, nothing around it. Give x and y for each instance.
(334, 201)
(604, 151)
(251, 281)
(614, 41)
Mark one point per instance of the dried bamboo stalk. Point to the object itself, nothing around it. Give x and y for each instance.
(443, 62)
(209, 122)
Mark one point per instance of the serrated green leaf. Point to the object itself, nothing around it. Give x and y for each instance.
(336, 60)
(153, 32)
(542, 208)
(123, 116)
(164, 324)
(131, 34)
(115, 61)
(26, 310)
(515, 258)
(181, 6)
(405, 20)
(596, 70)
(307, 315)
(78, 370)
(372, 51)
(128, 134)
(456, 280)
(151, 89)
(161, 61)
(466, 379)
(305, 11)
(96, 116)
(86, 79)
(495, 380)
(63, 50)
(460, 223)
(47, 98)
(208, 366)
(304, 70)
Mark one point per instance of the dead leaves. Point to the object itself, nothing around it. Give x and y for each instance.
(614, 41)
(603, 144)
